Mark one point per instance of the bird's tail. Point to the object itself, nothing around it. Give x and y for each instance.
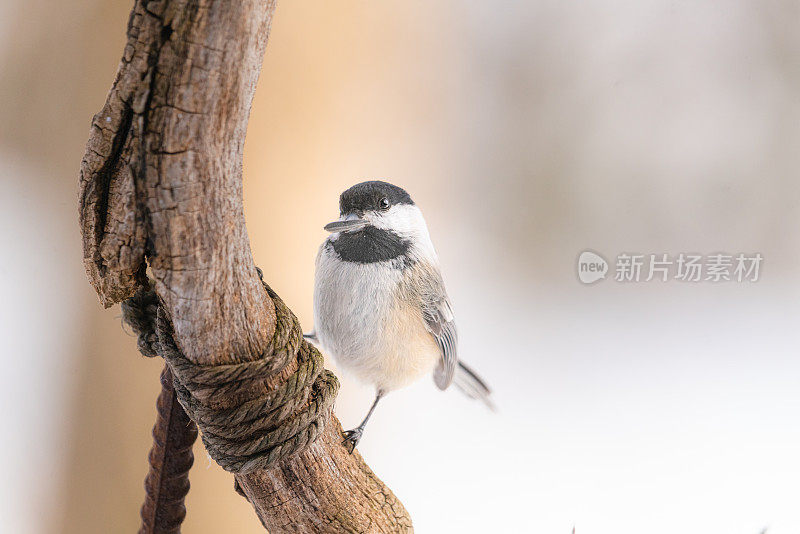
(472, 385)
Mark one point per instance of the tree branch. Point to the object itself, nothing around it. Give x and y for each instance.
(161, 183)
(170, 458)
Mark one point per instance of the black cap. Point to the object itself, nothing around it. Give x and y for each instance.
(369, 196)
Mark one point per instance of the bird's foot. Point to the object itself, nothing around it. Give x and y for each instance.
(351, 439)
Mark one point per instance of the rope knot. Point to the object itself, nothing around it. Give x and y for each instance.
(246, 421)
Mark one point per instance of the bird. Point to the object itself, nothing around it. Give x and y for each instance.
(380, 305)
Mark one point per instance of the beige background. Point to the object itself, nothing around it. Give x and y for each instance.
(527, 132)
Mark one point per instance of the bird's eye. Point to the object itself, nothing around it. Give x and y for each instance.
(384, 203)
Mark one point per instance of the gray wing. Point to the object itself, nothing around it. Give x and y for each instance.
(439, 320)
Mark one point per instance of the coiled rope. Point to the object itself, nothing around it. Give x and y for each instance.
(257, 424)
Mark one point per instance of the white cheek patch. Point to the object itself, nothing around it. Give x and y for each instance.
(406, 220)
(403, 219)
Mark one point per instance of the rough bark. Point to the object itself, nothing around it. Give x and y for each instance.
(161, 184)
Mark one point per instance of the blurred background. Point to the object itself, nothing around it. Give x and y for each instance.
(527, 132)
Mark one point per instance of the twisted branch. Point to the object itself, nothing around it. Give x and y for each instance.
(170, 458)
(161, 186)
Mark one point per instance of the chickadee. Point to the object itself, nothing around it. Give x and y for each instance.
(380, 306)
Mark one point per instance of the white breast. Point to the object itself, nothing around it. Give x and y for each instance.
(365, 327)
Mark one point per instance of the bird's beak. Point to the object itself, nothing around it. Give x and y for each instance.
(350, 223)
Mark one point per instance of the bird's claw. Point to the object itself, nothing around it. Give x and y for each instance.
(351, 439)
